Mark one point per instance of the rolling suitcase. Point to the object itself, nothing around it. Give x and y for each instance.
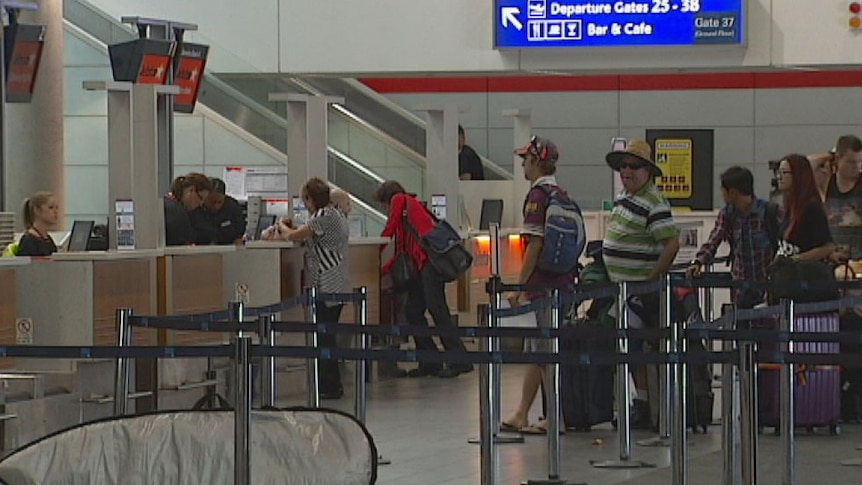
(817, 391)
(586, 391)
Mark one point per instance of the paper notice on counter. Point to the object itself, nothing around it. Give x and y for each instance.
(234, 181)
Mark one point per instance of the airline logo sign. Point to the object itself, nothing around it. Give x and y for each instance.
(23, 67)
(154, 69)
(188, 76)
(595, 23)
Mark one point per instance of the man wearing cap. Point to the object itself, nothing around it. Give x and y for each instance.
(642, 239)
(540, 163)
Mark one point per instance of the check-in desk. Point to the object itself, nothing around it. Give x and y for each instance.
(9, 268)
(511, 246)
(72, 299)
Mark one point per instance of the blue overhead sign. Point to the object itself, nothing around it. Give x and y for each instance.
(612, 23)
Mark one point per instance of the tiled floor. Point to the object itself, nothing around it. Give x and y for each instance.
(422, 426)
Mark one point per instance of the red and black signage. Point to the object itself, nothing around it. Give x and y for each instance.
(22, 62)
(142, 61)
(188, 74)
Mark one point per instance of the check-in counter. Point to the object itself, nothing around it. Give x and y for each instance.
(72, 298)
(9, 268)
(511, 246)
(191, 281)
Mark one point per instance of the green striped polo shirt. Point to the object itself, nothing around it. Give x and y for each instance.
(637, 225)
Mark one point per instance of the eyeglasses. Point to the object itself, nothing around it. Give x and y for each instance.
(785, 172)
(632, 165)
(536, 148)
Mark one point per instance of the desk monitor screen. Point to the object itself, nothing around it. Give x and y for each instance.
(264, 222)
(492, 212)
(81, 231)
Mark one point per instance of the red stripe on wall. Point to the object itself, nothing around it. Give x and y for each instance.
(627, 82)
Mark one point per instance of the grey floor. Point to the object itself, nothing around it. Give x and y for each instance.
(422, 426)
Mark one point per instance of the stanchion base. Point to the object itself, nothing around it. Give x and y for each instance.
(383, 461)
(657, 442)
(621, 464)
(502, 438)
(550, 481)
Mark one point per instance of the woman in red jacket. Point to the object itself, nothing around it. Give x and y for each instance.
(427, 291)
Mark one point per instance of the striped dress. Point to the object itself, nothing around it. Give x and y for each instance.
(326, 252)
(637, 225)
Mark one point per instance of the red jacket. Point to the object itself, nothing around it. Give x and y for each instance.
(421, 221)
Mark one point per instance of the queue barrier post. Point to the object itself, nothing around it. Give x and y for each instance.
(788, 407)
(364, 343)
(122, 374)
(268, 374)
(242, 409)
(311, 341)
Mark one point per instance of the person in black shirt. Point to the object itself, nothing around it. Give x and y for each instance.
(41, 212)
(187, 194)
(220, 219)
(469, 164)
(805, 234)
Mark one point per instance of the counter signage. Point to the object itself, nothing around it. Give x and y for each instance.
(675, 158)
(617, 23)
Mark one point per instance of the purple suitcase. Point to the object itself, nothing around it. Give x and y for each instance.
(817, 393)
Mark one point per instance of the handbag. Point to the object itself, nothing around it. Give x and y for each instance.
(787, 273)
(446, 253)
(403, 270)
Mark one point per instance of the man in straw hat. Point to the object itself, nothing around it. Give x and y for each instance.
(642, 239)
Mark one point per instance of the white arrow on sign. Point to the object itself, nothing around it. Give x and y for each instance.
(510, 16)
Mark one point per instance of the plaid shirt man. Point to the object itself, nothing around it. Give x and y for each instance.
(748, 235)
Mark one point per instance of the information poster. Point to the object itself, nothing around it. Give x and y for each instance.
(674, 158)
(686, 159)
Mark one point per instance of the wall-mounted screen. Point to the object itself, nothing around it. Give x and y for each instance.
(617, 23)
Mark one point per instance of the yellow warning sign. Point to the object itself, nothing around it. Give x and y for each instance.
(674, 158)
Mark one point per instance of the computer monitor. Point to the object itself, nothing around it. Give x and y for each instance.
(492, 212)
(80, 236)
(262, 223)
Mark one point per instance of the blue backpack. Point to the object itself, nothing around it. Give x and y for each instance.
(565, 235)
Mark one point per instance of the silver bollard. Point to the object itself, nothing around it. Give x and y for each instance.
(624, 395)
(553, 398)
(237, 313)
(730, 412)
(748, 412)
(311, 341)
(122, 376)
(788, 407)
(679, 441)
(487, 419)
(665, 375)
(364, 343)
(242, 410)
(267, 375)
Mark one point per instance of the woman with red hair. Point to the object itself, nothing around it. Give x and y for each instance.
(805, 232)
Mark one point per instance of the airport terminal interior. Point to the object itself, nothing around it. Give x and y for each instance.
(159, 169)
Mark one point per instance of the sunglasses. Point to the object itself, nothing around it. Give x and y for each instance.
(632, 165)
(537, 149)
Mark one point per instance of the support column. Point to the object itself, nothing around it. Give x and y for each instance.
(441, 153)
(34, 131)
(134, 143)
(307, 138)
(523, 130)
(162, 29)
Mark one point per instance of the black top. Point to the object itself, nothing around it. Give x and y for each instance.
(31, 245)
(224, 227)
(811, 233)
(844, 212)
(178, 225)
(469, 162)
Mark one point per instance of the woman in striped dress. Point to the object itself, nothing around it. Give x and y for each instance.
(326, 267)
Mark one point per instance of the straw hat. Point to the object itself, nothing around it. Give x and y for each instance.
(635, 148)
